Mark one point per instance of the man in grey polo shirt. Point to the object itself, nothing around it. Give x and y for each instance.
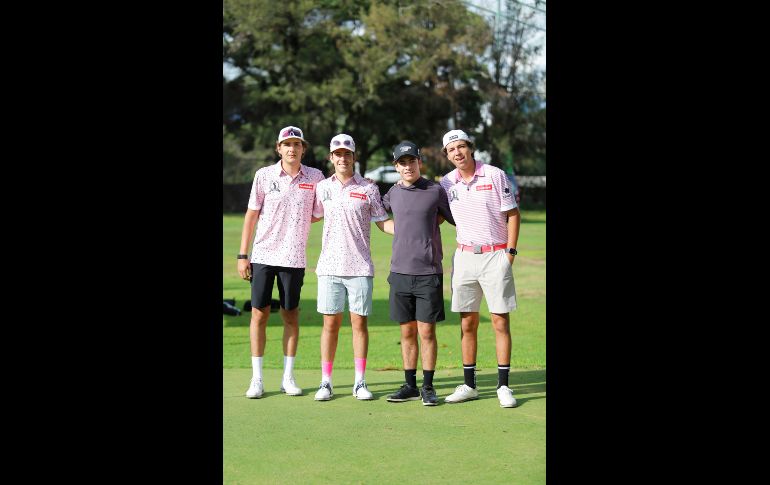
(416, 274)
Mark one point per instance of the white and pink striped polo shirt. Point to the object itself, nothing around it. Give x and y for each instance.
(479, 207)
(348, 211)
(285, 206)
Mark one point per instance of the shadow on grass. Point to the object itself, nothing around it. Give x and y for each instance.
(521, 382)
(309, 316)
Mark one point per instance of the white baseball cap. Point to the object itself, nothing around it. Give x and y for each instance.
(455, 135)
(290, 132)
(342, 141)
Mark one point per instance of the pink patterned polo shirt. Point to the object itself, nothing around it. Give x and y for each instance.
(348, 211)
(285, 206)
(479, 207)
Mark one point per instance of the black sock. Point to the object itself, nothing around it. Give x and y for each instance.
(502, 374)
(411, 377)
(469, 370)
(427, 378)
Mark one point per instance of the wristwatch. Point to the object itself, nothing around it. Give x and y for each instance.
(512, 251)
(243, 256)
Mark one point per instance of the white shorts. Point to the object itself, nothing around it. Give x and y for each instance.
(489, 274)
(333, 290)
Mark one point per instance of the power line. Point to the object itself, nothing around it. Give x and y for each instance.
(510, 17)
(529, 6)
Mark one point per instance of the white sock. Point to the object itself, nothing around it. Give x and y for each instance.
(359, 376)
(256, 367)
(288, 366)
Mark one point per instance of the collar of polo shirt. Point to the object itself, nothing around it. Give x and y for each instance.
(479, 171)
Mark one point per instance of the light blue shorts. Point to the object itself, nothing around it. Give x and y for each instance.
(332, 291)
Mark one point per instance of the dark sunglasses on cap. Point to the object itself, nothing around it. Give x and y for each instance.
(338, 143)
(291, 132)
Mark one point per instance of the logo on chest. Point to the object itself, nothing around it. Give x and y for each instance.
(358, 196)
(306, 186)
(484, 187)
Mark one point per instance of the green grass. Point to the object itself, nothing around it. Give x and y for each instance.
(527, 322)
(285, 439)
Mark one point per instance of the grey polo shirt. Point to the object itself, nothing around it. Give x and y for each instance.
(417, 239)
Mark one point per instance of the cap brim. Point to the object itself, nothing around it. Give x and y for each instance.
(406, 155)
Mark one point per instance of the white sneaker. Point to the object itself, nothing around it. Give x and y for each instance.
(361, 392)
(505, 395)
(255, 389)
(325, 391)
(462, 393)
(290, 387)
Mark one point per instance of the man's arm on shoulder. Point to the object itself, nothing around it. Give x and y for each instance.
(387, 226)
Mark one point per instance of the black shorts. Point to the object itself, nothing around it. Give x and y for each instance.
(416, 297)
(289, 285)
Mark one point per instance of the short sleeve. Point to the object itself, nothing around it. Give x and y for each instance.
(507, 201)
(376, 207)
(257, 195)
(318, 207)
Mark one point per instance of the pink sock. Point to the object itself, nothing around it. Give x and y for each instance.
(326, 370)
(360, 368)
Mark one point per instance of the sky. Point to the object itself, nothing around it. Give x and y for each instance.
(538, 20)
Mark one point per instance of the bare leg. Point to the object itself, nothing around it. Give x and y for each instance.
(469, 326)
(290, 331)
(329, 336)
(257, 327)
(360, 335)
(409, 344)
(428, 345)
(501, 324)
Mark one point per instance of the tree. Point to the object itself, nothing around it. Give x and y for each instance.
(515, 95)
(377, 70)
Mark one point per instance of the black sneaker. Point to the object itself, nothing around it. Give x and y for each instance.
(406, 393)
(429, 396)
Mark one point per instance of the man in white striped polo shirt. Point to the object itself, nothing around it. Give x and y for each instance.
(488, 220)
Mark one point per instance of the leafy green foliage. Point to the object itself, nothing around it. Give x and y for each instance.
(382, 71)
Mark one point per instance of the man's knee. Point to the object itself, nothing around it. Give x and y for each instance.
(501, 323)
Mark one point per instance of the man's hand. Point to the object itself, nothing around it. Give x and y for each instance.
(244, 269)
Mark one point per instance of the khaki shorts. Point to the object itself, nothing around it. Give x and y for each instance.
(489, 274)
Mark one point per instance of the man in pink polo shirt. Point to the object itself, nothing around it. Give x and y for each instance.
(488, 220)
(282, 198)
(348, 203)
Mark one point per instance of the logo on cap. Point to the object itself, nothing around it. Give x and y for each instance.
(405, 149)
(453, 137)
